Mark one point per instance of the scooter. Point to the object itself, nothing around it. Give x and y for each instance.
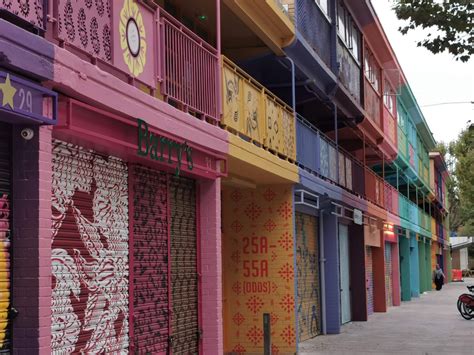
(466, 304)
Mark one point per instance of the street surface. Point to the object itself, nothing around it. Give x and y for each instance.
(430, 324)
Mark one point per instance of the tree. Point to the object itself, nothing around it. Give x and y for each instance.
(451, 24)
(462, 150)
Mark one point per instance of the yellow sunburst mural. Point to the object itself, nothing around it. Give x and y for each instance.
(133, 37)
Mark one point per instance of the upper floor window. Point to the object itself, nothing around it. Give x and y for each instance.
(371, 69)
(324, 5)
(348, 31)
(402, 118)
(389, 98)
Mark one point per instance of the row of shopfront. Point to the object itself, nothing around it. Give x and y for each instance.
(110, 223)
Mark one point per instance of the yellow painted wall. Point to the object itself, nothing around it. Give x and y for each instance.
(258, 267)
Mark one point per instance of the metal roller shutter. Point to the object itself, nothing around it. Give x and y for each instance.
(5, 199)
(388, 275)
(150, 261)
(369, 280)
(184, 276)
(89, 252)
(307, 276)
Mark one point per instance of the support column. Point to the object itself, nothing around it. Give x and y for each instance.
(421, 259)
(211, 266)
(31, 262)
(414, 267)
(357, 264)
(405, 277)
(332, 289)
(378, 264)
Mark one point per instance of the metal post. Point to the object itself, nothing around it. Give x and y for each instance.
(267, 341)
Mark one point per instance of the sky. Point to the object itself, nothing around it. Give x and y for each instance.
(433, 78)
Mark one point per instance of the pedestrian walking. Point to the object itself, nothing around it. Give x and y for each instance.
(438, 277)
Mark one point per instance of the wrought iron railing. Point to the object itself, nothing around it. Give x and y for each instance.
(253, 112)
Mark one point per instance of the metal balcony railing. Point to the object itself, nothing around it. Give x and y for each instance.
(320, 155)
(253, 112)
(32, 12)
(185, 67)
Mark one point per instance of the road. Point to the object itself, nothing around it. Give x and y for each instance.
(430, 324)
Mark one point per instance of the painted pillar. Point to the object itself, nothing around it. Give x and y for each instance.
(31, 292)
(396, 275)
(428, 266)
(211, 266)
(405, 277)
(332, 289)
(422, 267)
(414, 267)
(357, 264)
(378, 264)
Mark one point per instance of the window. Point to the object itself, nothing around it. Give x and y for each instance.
(402, 118)
(371, 69)
(389, 97)
(324, 5)
(348, 31)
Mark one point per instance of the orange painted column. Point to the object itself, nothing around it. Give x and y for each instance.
(258, 268)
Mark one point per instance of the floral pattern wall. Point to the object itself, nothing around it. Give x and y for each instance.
(258, 266)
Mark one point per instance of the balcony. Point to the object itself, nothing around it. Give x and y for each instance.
(30, 16)
(321, 156)
(254, 114)
(315, 27)
(159, 55)
(269, 19)
(412, 213)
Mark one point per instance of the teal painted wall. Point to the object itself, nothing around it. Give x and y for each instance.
(421, 264)
(414, 267)
(404, 250)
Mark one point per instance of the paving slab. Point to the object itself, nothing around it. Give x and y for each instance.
(429, 324)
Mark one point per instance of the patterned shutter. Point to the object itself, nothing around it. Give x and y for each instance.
(388, 275)
(184, 277)
(150, 261)
(369, 280)
(5, 198)
(89, 252)
(307, 263)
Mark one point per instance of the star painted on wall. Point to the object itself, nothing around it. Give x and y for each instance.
(8, 92)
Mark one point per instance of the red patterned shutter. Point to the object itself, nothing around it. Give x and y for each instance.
(388, 274)
(150, 261)
(5, 227)
(184, 276)
(89, 252)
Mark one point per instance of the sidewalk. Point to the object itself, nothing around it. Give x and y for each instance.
(430, 324)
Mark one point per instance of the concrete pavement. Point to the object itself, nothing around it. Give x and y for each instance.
(430, 324)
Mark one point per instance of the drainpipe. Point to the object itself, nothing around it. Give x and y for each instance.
(322, 262)
(293, 83)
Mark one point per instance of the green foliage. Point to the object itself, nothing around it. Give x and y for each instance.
(451, 24)
(462, 151)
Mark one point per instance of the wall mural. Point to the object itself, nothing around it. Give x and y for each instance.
(258, 264)
(89, 252)
(150, 260)
(308, 306)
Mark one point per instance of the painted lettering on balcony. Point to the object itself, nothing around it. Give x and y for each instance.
(162, 149)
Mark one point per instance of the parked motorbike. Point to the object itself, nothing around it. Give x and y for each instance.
(466, 304)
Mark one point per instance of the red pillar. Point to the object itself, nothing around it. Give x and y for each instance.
(378, 265)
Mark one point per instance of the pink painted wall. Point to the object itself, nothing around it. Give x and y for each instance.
(211, 266)
(87, 82)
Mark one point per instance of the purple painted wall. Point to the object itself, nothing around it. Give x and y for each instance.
(31, 292)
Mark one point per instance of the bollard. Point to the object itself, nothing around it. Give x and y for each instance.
(267, 341)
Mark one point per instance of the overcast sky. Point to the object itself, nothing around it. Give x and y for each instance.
(433, 78)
